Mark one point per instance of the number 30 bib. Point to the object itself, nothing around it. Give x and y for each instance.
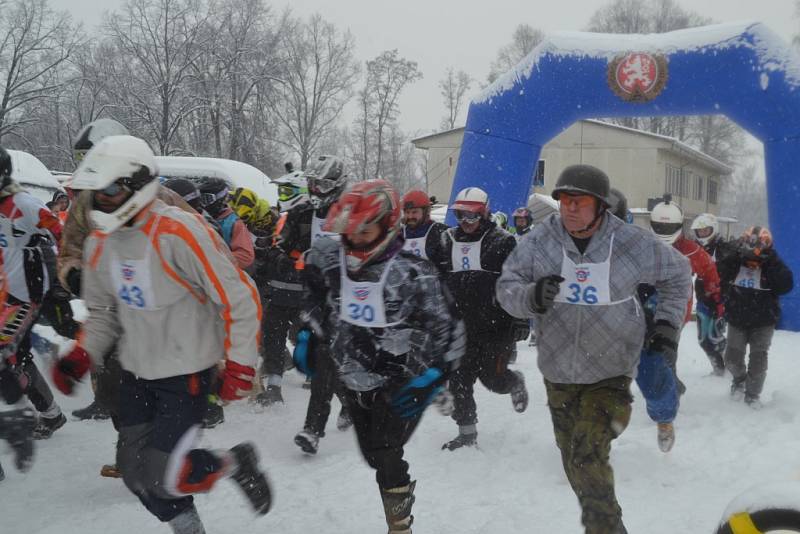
(586, 284)
(361, 303)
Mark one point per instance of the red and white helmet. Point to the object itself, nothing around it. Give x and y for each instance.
(472, 199)
(365, 203)
(666, 220)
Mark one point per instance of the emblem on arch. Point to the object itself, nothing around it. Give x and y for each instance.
(638, 76)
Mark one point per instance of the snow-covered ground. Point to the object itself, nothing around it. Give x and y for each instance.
(513, 483)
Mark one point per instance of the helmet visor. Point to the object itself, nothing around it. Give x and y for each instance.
(661, 228)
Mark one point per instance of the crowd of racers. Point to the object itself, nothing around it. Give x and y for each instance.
(386, 308)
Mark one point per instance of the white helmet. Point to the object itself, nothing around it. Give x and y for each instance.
(472, 199)
(292, 190)
(666, 220)
(119, 158)
(703, 223)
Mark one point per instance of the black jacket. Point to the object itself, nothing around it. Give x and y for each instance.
(748, 307)
(473, 291)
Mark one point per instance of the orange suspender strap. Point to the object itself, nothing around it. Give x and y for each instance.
(279, 228)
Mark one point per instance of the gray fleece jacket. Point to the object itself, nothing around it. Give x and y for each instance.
(584, 344)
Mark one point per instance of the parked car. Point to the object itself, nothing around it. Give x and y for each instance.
(33, 175)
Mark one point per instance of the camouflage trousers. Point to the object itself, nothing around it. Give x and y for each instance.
(586, 418)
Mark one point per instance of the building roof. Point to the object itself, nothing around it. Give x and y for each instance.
(675, 144)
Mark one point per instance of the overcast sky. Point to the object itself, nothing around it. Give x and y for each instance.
(464, 34)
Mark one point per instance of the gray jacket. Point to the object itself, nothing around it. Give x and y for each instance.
(587, 344)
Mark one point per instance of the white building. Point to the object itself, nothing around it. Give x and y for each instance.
(641, 164)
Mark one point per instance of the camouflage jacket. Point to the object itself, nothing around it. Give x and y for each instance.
(424, 331)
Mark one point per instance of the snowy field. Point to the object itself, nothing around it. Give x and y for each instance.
(513, 483)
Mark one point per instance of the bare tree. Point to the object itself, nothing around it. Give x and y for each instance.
(453, 87)
(524, 39)
(34, 44)
(744, 196)
(387, 76)
(318, 73)
(156, 43)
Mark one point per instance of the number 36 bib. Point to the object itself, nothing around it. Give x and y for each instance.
(361, 303)
(586, 284)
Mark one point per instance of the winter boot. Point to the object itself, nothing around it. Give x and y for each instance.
(397, 503)
(307, 440)
(270, 396)
(47, 425)
(16, 427)
(215, 415)
(110, 471)
(344, 421)
(464, 439)
(737, 389)
(753, 401)
(93, 411)
(666, 436)
(250, 478)
(187, 522)
(519, 394)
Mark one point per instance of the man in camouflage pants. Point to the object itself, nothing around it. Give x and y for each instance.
(577, 273)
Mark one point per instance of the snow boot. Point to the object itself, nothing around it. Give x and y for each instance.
(666, 436)
(463, 440)
(215, 415)
(47, 425)
(16, 427)
(307, 440)
(753, 401)
(92, 412)
(737, 389)
(397, 503)
(270, 396)
(250, 478)
(187, 522)
(344, 421)
(110, 471)
(519, 394)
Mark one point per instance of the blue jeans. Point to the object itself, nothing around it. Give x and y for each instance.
(659, 387)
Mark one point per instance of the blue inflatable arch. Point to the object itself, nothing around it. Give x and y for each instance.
(743, 71)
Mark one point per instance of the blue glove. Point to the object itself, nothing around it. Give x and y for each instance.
(416, 394)
(304, 355)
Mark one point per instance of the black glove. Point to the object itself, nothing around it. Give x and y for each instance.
(10, 388)
(663, 339)
(522, 329)
(74, 281)
(542, 294)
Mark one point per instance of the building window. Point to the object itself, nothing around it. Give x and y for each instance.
(698, 188)
(712, 192)
(673, 181)
(538, 175)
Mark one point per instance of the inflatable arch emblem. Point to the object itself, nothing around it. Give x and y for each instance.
(743, 71)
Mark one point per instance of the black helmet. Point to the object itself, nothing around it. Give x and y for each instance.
(214, 195)
(583, 180)
(618, 203)
(187, 189)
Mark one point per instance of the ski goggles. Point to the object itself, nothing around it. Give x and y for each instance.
(579, 201)
(115, 188)
(288, 192)
(467, 216)
(209, 198)
(321, 186)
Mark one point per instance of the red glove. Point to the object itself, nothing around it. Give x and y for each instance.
(237, 381)
(720, 310)
(70, 369)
